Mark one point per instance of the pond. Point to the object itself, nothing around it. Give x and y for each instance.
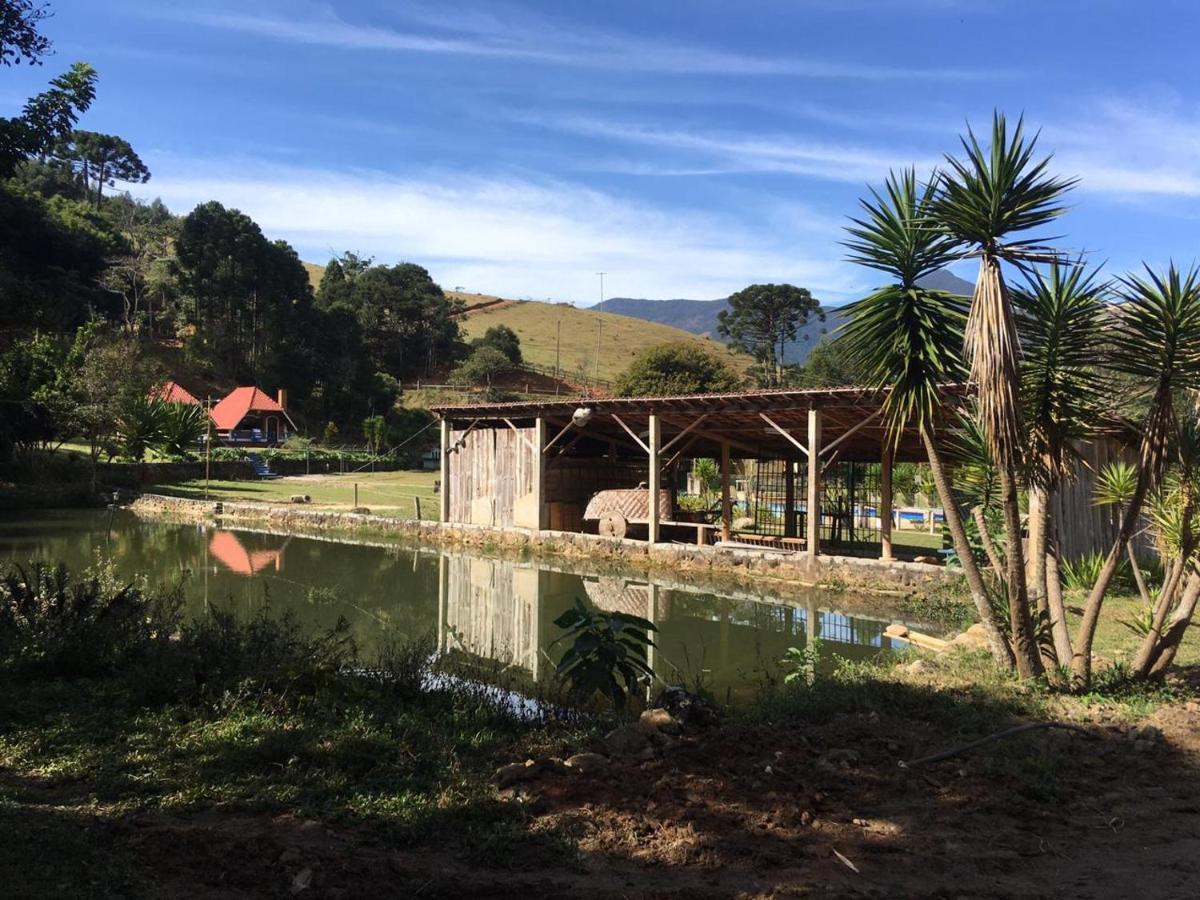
(495, 609)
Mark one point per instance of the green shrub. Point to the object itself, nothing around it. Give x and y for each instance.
(52, 626)
(219, 657)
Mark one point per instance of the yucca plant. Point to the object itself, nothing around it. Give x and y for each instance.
(1080, 574)
(984, 200)
(1060, 321)
(1157, 347)
(1173, 514)
(977, 481)
(908, 338)
(140, 426)
(183, 424)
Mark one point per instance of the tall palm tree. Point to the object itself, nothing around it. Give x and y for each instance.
(1157, 345)
(1060, 317)
(908, 338)
(984, 199)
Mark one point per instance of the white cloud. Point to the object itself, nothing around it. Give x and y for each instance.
(1132, 149)
(742, 152)
(520, 237)
(539, 41)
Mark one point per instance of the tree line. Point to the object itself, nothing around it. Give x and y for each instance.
(87, 270)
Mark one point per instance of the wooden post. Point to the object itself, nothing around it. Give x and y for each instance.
(207, 445)
(356, 495)
(726, 505)
(813, 514)
(885, 499)
(417, 504)
(789, 497)
(443, 600)
(539, 471)
(445, 463)
(655, 479)
(651, 651)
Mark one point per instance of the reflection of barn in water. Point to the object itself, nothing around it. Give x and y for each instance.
(505, 611)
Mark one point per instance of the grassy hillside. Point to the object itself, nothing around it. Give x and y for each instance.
(537, 324)
(315, 272)
(622, 338)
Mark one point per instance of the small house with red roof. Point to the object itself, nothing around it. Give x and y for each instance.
(249, 416)
(173, 392)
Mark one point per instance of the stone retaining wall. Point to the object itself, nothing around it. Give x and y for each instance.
(838, 571)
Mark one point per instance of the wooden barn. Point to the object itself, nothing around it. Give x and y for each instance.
(592, 466)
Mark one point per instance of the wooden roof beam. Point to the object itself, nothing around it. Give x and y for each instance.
(630, 432)
(799, 446)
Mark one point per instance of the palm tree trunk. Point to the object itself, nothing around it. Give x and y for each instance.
(1054, 596)
(1001, 652)
(989, 546)
(1024, 638)
(1081, 659)
(1146, 653)
(1039, 540)
(1138, 578)
(1036, 579)
(1168, 646)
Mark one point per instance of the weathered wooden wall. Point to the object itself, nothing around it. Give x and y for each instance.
(1084, 527)
(489, 474)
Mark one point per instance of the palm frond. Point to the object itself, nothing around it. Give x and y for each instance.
(907, 337)
(990, 194)
(898, 235)
(1115, 484)
(993, 349)
(1060, 318)
(1158, 345)
(976, 474)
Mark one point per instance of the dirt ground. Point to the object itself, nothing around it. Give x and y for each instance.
(760, 811)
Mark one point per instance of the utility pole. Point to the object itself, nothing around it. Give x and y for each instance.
(557, 346)
(207, 444)
(599, 327)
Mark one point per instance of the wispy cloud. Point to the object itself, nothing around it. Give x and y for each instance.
(540, 41)
(724, 153)
(1133, 149)
(521, 237)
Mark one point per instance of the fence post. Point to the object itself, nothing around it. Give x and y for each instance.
(417, 504)
(356, 495)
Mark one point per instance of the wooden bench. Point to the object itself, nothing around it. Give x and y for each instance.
(769, 540)
(702, 529)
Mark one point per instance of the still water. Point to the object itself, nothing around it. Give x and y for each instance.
(500, 610)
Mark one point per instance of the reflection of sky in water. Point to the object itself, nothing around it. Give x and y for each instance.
(482, 607)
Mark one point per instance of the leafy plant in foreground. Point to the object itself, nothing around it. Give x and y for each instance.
(607, 653)
(803, 662)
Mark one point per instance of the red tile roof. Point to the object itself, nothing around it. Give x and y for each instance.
(172, 392)
(240, 402)
(226, 547)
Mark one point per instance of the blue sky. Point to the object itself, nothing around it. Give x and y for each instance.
(687, 149)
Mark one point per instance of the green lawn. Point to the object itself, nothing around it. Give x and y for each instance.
(385, 493)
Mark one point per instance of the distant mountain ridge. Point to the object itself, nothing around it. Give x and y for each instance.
(700, 316)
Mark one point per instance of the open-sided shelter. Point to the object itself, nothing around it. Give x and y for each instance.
(592, 465)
